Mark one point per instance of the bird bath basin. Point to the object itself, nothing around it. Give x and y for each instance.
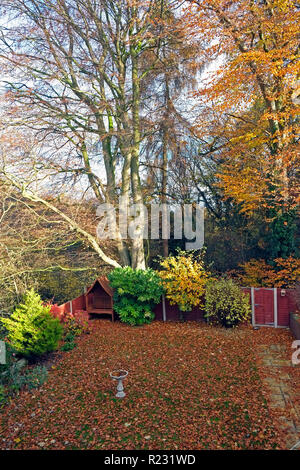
(119, 375)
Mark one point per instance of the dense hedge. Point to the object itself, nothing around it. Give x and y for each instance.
(135, 294)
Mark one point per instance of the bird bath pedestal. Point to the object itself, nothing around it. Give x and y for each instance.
(119, 375)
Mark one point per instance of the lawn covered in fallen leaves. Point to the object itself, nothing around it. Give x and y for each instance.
(190, 386)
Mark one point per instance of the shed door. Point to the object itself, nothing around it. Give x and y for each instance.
(264, 306)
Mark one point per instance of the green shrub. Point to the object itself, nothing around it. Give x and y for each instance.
(2, 396)
(69, 340)
(10, 372)
(135, 294)
(68, 346)
(32, 330)
(70, 337)
(3, 331)
(14, 377)
(226, 303)
(36, 377)
(32, 378)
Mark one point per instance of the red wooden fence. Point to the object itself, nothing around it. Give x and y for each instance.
(73, 305)
(173, 313)
(270, 307)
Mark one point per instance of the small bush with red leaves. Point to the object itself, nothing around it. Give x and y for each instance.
(76, 324)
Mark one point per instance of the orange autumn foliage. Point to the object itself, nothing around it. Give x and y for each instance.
(251, 96)
(257, 273)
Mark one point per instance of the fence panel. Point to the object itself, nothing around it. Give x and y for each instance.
(271, 306)
(264, 311)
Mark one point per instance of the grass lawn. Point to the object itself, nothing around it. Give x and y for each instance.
(190, 386)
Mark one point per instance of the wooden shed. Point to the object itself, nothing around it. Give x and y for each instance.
(99, 298)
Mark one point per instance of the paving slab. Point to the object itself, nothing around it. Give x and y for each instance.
(284, 399)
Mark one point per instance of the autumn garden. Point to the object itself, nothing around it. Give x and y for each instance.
(180, 107)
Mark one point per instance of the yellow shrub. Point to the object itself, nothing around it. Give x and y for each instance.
(184, 278)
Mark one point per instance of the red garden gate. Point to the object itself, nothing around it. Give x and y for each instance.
(271, 306)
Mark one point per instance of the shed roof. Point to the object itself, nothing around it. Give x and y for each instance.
(104, 283)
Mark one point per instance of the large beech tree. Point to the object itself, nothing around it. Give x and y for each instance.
(251, 96)
(78, 68)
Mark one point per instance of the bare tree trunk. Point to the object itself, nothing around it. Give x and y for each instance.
(111, 196)
(165, 161)
(90, 48)
(164, 186)
(138, 253)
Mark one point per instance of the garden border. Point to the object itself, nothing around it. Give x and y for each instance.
(273, 309)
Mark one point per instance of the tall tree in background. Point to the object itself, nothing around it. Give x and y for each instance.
(80, 67)
(96, 94)
(171, 115)
(251, 101)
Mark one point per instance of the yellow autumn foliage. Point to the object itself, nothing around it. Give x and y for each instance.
(184, 278)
